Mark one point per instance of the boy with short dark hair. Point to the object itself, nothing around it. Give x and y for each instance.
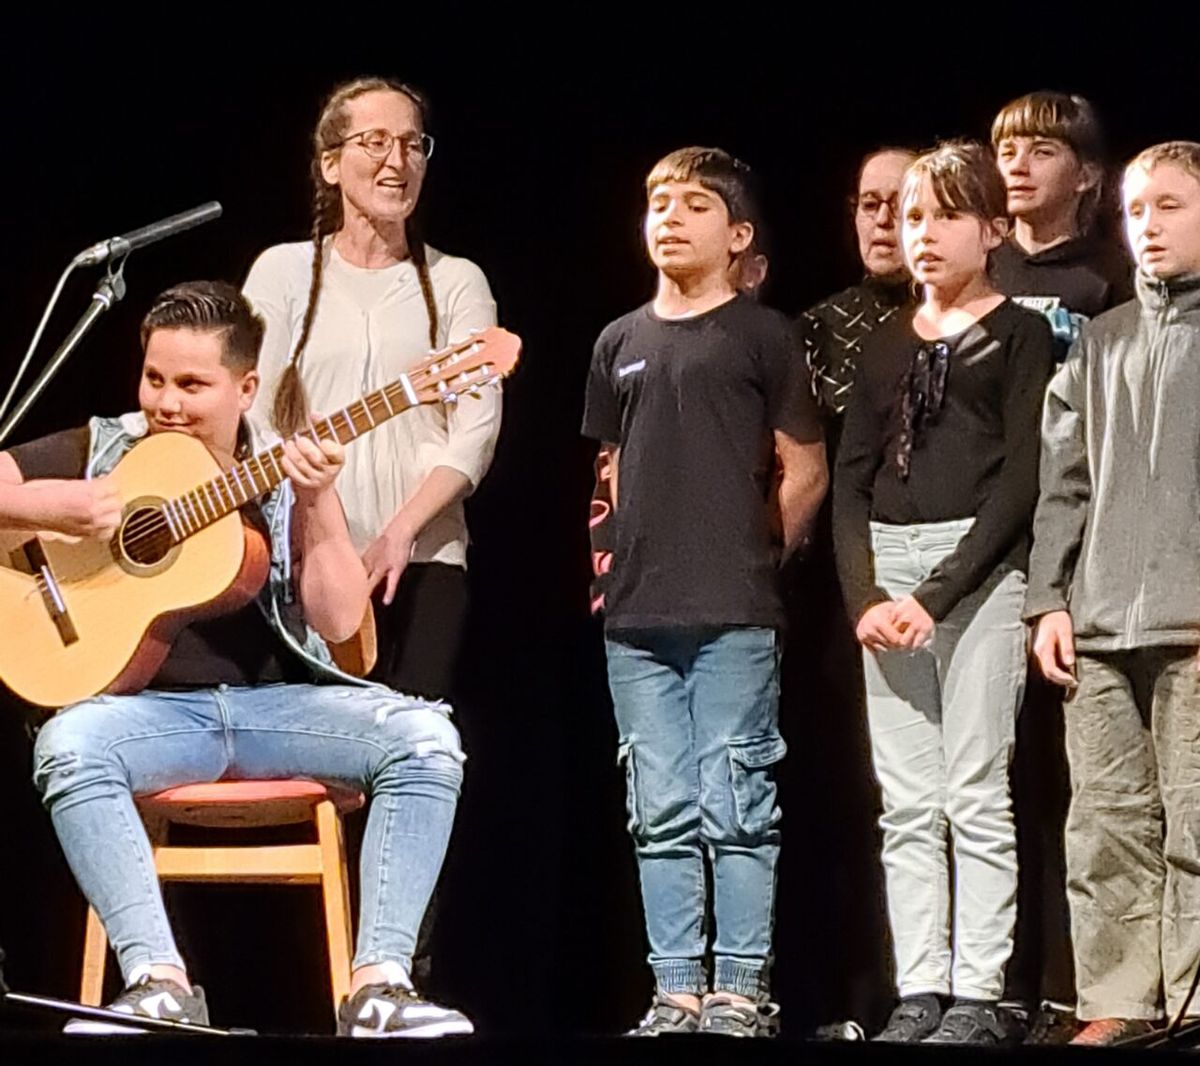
(696, 393)
(1115, 577)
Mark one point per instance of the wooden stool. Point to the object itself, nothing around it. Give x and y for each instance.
(225, 804)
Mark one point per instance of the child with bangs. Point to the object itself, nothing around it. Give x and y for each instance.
(1060, 258)
(935, 487)
(1063, 259)
(698, 395)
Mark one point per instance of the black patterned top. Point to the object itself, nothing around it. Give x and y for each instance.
(831, 333)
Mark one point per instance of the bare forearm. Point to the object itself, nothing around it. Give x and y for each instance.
(442, 487)
(800, 497)
(333, 583)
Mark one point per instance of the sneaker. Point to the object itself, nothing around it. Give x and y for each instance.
(665, 1017)
(913, 1019)
(737, 1017)
(973, 1023)
(1105, 1032)
(1052, 1025)
(148, 998)
(393, 1010)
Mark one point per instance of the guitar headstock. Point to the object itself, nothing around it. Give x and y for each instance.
(464, 368)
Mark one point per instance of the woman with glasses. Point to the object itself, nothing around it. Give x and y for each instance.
(350, 311)
(832, 330)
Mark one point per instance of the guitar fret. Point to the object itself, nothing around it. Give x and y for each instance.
(237, 481)
(256, 472)
(214, 507)
(349, 423)
(387, 402)
(366, 406)
(275, 463)
(165, 510)
(188, 510)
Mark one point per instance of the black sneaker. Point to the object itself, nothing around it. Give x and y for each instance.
(1053, 1024)
(734, 1017)
(384, 1010)
(666, 1017)
(914, 1019)
(979, 1024)
(149, 998)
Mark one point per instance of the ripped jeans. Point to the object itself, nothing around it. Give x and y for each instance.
(93, 757)
(697, 711)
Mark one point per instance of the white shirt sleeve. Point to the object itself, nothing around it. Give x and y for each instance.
(473, 424)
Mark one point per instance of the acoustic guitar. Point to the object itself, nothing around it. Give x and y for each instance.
(82, 617)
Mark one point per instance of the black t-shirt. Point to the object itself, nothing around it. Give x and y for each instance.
(976, 458)
(239, 648)
(692, 404)
(1086, 275)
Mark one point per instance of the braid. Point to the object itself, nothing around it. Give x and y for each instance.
(417, 249)
(290, 410)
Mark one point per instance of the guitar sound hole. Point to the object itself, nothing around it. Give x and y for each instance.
(145, 536)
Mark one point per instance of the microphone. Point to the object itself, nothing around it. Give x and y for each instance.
(139, 238)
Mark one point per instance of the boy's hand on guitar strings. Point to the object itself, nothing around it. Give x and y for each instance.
(312, 467)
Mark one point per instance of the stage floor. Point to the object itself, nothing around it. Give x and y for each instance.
(40, 1049)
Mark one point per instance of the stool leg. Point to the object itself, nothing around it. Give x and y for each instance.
(95, 954)
(335, 889)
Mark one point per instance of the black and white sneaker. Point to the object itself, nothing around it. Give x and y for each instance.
(384, 1010)
(728, 1016)
(147, 998)
(666, 1017)
(915, 1018)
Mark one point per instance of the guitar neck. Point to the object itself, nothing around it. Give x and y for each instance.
(254, 477)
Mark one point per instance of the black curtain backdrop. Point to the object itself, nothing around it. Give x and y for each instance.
(542, 148)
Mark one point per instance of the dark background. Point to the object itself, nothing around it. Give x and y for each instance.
(543, 143)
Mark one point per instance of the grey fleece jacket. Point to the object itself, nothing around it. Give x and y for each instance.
(1116, 534)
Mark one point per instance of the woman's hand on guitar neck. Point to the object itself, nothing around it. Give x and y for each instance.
(312, 468)
(74, 508)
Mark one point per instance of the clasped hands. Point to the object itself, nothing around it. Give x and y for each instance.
(895, 625)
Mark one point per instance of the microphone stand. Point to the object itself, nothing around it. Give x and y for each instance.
(108, 292)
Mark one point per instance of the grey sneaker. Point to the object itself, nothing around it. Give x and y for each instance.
(980, 1024)
(914, 1019)
(664, 1018)
(149, 998)
(385, 1010)
(735, 1017)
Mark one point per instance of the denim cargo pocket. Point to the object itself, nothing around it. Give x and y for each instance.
(750, 764)
(627, 756)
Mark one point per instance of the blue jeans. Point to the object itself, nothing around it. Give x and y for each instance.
(697, 712)
(93, 757)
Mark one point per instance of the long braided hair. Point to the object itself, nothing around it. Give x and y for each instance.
(290, 410)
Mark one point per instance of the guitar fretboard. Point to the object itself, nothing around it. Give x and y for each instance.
(258, 475)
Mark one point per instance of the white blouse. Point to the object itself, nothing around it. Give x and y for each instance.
(370, 327)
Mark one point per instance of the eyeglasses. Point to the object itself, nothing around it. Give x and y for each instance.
(869, 205)
(378, 143)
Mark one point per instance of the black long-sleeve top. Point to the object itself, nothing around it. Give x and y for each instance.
(977, 457)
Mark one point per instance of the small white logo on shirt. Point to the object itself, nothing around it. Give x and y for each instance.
(1041, 304)
(631, 368)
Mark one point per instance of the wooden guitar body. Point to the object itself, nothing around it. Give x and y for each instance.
(119, 613)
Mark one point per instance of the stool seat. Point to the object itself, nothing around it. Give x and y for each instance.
(222, 804)
(248, 804)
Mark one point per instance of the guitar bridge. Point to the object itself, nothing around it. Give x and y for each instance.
(30, 558)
